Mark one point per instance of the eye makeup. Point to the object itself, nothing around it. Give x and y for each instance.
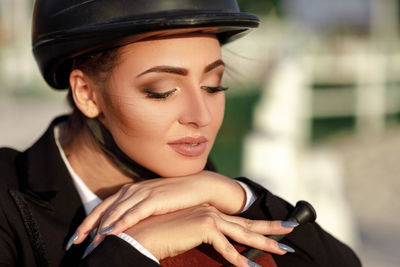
(214, 89)
(163, 95)
(159, 95)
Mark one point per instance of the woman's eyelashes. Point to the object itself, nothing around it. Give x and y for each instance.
(214, 89)
(159, 95)
(163, 95)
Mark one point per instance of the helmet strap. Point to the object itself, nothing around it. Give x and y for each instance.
(107, 144)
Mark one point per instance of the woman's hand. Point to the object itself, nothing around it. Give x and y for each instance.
(177, 232)
(135, 202)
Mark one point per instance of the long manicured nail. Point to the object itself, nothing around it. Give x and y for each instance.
(88, 250)
(107, 230)
(285, 248)
(289, 224)
(71, 241)
(253, 264)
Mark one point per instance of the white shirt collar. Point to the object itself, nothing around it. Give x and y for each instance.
(89, 199)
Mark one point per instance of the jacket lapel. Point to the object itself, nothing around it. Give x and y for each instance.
(48, 202)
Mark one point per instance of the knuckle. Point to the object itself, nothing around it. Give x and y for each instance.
(85, 228)
(246, 232)
(248, 224)
(213, 215)
(97, 208)
(129, 188)
(124, 221)
(138, 211)
(270, 244)
(229, 248)
(269, 225)
(97, 211)
(208, 221)
(131, 214)
(113, 213)
(81, 229)
(142, 193)
(210, 210)
(128, 185)
(154, 195)
(86, 223)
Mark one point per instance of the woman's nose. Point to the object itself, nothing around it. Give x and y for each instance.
(196, 110)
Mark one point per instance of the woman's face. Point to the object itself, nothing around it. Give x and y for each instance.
(164, 104)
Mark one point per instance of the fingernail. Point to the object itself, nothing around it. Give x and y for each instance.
(253, 264)
(285, 248)
(289, 224)
(88, 250)
(107, 230)
(71, 241)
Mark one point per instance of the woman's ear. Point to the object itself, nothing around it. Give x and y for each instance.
(84, 94)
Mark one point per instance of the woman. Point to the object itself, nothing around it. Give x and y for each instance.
(144, 78)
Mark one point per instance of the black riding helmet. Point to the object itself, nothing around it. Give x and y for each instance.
(64, 29)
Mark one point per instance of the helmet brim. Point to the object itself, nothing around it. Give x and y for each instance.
(55, 51)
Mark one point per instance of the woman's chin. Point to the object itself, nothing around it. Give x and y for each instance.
(181, 173)
(181, 169)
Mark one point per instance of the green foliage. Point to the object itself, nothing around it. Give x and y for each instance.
(227, 151)
(329, 127)
(260, 7)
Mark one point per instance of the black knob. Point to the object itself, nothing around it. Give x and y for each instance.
(302, 213)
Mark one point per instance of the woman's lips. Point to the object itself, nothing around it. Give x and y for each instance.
(189, 146)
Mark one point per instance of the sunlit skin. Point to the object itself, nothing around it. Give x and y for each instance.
(159, 93)
(164, 105)
(160, 90)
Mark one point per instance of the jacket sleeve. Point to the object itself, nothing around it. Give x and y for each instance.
(7, 246)
(114, 251)
(313, 246)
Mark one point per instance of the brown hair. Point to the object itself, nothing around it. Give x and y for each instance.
(99, 67)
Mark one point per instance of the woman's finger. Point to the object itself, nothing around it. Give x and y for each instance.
(247, 237)
(226, 249)
(132, 216)
(260, 226)
(124, 216)
(92, 221)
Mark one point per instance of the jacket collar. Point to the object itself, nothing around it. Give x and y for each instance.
(41, 167)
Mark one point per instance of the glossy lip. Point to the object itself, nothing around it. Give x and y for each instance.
(189, 146)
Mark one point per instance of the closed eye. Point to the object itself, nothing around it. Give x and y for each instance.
(156, 95)
(214, 89)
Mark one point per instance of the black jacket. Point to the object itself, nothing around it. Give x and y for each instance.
(40, 210)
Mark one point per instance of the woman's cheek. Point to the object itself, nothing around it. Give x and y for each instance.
(134, 119)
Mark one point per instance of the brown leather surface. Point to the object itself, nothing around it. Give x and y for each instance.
(205, 255)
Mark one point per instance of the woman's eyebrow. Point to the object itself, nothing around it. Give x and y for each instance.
(181, 71)
(167, 69)
(214, 65)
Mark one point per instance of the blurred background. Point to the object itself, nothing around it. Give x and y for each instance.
(313, 110)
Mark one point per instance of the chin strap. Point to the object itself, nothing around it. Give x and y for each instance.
(107, 144)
